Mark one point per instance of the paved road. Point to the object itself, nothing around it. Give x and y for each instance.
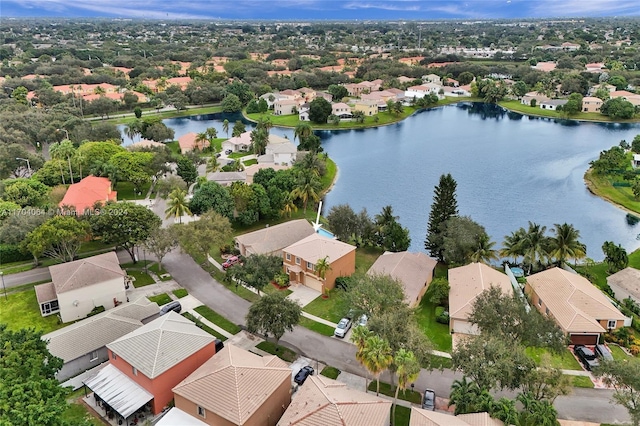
(583, 404)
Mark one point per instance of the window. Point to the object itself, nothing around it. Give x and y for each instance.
(93, 356)
(50, 307)
(310, 266)
(611, 324)
(201, 412)
(288, 256)
(135, 371)
(113, 355)
(297, 260)
(547, 311)
(539, 302)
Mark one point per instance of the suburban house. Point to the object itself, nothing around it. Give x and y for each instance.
(300, 259)
(432, 78)
(420, 417)
(84, 195)
(626, 284)
(147, 363)
(323, 401)
(368, 107)
(303, 112)
(77, 287)
(635, 162)
(188, 142)
(286, 106)
(413, 270)
(342, 110)
(607, 87)
(422, 90)
(251, 170)
(236, 388)
(534, 96)
(272, 239)
(83, 344)
(581, 310)
(633, 98)
(466, 284)
(241, 143)
(455, 92)
(279, 150)
(591, 104)
(307, 93)
(552, 104)
(227, 178)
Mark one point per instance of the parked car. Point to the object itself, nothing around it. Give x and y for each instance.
(429, 400)
(171, 306)
(230, 262)
(603, 352)
(302, 375)
(343, 326)
(363, 320)
(586, 357)
(228, 151)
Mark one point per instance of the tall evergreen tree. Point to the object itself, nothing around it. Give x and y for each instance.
(444, 207)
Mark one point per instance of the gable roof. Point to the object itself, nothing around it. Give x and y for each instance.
(90, 190)
(480, 419)
(242, 139)
(275, 238)
(467, 282)
(411, 269)
(628, 279)
(316, 247)
(93, 333)
(85, 272)
(234, 383)
(187, 142)
(161, 344)
(573, 301)
(420, 417)
(322, 401)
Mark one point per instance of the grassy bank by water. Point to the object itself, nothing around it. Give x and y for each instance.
(516, 106)
(619, 195)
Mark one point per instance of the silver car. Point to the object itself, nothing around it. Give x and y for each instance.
(343, 326)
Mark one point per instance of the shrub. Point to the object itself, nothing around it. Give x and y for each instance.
(634, 349)
(225, 249)
(442, 315)
(11, 253)
(95, 311)
(343, 283)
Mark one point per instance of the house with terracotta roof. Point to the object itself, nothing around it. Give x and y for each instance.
(77, 287)
(466, 284)
(342, 110)
(368, 107)
(236, 387)
(591, 104)
(301, 257)
(146, 364)
(528, 98)
(240, 143)
(581, 310)
(413, 270)
(84, 195)
(83, 344)
(627, 96)
(323, 401)
(188, 143)
(286, 106)
(420, 417)
(272, 239)
(626, 284)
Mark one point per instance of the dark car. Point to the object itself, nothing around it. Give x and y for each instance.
(429, 400)
(586, 357)
(228, 151)
(603, 352)
(172, 306)
(302, 375)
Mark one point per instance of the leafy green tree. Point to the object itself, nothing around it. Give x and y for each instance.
(138, 112)
(7, 208)
(311, 143)
(618, 108)
(619, 81)
(463, 240)
(161, 241)
(63, 150)
(20, 94)
(212, 196)
(158, 132)
(167, 185)
(257, 271)
(464, 395)
(390, 235)
(439, 291)
(615, 256)
(241, 90)
(610, 160)
(537, 413)
(25, 192)
(374, 294)
(58, 238)
(635, 144)
(134, 167)
(10, 166)
(15, 228)
(30, 392)
(273, 315)
(238, 128)
(98, 152)
(338, 92)
(319, 110)
(186, 170)
(566, 244)
(343, 222)
(177, 205)
(624, 377)
(546, 382)
(444, 207)
(573, 105)
(407, 370)
(200, 237)
(231, 103)
(124, 224)
(465, 78)
(520, 88)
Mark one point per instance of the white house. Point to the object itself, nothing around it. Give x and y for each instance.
(279, 151)
(286, 106)
(342, 110)
(240, 143)
(422, 90)
(552, 104)
(432, 78)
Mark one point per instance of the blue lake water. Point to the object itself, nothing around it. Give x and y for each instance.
(510, 169)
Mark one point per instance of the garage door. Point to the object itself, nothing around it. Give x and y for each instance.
(581, 339)
(313, 283)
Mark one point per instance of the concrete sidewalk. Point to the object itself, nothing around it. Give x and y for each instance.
(320, 320)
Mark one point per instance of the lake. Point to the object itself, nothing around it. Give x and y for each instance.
(510, 169)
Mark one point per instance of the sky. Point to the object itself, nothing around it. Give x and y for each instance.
(319, 9)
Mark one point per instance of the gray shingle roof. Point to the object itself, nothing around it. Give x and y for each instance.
(275, 238)
(85, 272)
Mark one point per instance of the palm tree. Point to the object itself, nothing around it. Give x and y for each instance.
(225, 127)
(259, 139)
(265, 123)
(80, 159)
(376, 357)
(323, 266)
(505, 409)
(512, 245)
(565, 245)
(289, 206)
(54, 151)
(133, 129)
(359, 336)
(177, 205)
(484, 251)
(307, 188)
(201, 138)
(407, 369)
(212, 133)
(313, 162)
(212, 164)
(536, 413)
(63, 150)
(463, 395)
(535, 244)
(302, 131)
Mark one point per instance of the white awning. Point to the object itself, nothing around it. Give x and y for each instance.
(119, 391)
(177, 417)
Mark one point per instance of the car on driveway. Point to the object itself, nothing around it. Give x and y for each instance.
(230, 262)
(302, 375)
(586, 357)
(343, 326)
(429, 400)
(228, 151)
(603, 352)
(362, 322)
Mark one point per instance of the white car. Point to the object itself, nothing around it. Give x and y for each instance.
(343, 326)
(362, 322)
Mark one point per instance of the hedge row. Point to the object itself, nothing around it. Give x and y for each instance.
(11, 253)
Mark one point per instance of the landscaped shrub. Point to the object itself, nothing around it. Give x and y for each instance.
(442, 315)
(95, 311)
(343, 283)
(225, 249)
(11, 253)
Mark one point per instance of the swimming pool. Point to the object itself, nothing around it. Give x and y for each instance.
(326, 233)
(517, 272)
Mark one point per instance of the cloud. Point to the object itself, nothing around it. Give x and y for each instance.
(547, 8)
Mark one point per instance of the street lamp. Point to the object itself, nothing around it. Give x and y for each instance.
(3, 287)
(28, 163)
(63, 130)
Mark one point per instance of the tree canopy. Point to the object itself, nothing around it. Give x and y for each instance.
(444, 206)
(273, 315)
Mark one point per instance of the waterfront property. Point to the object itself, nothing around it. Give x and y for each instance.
(272, 239)
(626, 284)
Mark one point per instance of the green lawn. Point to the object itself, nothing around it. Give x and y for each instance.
(236, 155)
(565, 360)
(126, 191)
(20, 310)
(217, 319)
(281, 352)
(602, 187)
(160, 299)
(312, 325)
(402, 416)
(180, 293)
(204, 327)
(365, 257)
(329, 176)
(581, 382)
(426, 317)
(439, 362)
(332, 309)
(617, 352)
(250, 162)
(330, 372)
(529, 110)
(271, 289)
(77, 414)
(155, 268)
(141, 278)
(389, 390)
(151, 112)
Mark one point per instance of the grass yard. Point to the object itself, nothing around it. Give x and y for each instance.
(160, 299)
(565, 360)
(529, 110)
(152, 112)
(617, 352)
(389, 390)
(439, 362)
(281, 352)
(217, 319)
(602, 187)
(180, 293)
(438, 333)
(365, 257)
(330, 372)
(155, 268)
(77, 414)
(142, 279)
(239, 154)
(402, 416)
(126, 191)
(332, 309)
(581, 382)
(329, 176)
(312, 325)
(271, 289)
(204, 327)
(250, 162)
(20, 310)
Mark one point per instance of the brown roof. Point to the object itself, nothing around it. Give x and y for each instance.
(420, 417)
(45, 292)
(275, 238)
(90, 190)
(628, 279)
(411, 269)
(234, 383)
(325, 402)
(85, 272)
(573, 301)
(480, 419)
(187, 142)
(467, 282)
(316, 247)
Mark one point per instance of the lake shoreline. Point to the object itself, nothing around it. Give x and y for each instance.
(592, 188)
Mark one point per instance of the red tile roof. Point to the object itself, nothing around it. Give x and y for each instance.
(84, 194)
